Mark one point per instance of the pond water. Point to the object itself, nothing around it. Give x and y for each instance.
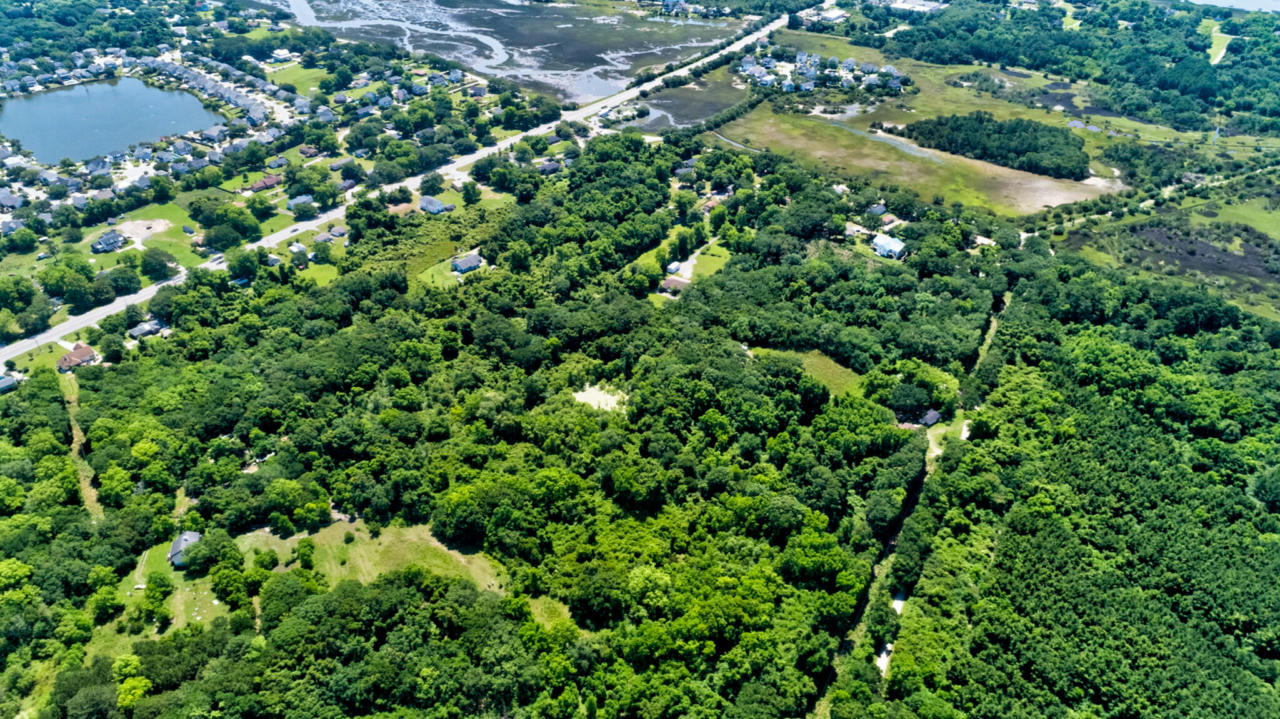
(578, 51)
(96, 118)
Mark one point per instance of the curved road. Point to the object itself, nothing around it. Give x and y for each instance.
(454, 171)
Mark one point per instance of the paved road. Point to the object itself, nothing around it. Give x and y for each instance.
(455, 171)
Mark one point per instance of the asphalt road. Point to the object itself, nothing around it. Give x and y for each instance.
(455, 171)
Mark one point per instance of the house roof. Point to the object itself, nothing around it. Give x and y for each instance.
(466, 263)
(79, 355)
(180, 545)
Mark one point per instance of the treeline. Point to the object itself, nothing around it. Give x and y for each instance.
(1021, 144)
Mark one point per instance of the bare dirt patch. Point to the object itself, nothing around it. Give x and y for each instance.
(140, 230)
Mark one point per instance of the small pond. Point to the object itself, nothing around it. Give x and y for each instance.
(96, 118)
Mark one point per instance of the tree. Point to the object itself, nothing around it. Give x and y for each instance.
(432, 183)
(305, 211)
(470, 193)
(21, 241)
(242, 265)
(260, 207)
(157, 264)
(112, 347)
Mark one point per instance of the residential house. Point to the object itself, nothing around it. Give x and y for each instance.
(178, 550)
(431, 205)
(79, 355)
(887, 246)
(111, 241)
(299, 200)
(145, 329)
(7, 384)
(465, 263)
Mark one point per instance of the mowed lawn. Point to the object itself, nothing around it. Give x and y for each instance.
(306, 80)
(711, 260)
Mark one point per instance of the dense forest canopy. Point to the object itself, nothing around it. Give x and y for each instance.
(1020, 144)
(1066, 475)
(713, 541)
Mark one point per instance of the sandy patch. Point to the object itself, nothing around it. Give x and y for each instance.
(599, 397)
(139, 230)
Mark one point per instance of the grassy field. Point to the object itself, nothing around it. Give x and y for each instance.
(322, 274)
(837, 378)
(844, 143)
(172, 240)
(1253, 213)
(42, 356)
(852, 151)
(439, 275)
(1220, 40)
(711, 260)
(366, 557)
(306, 80)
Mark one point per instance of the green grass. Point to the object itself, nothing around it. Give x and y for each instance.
(822, 145)
(1253, 213)
(43, 356)
(439, 275)
(322, 274)
(711, 260)
(488, 198)
(549, 612)
(242, 181)
(276, 222)
(936, 97)
(1219, 40)
(837, 378)
(365, 558)
(306, 80)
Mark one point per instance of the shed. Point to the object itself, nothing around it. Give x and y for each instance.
(930, 418)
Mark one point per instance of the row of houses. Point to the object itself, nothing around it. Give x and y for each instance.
(256, 112)
(807, 70)
(25, 75)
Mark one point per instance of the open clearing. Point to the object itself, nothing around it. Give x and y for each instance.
(600, 397)
(820, 143)
(1253, 213)
(306, 80)
(837, 378)
(366, 557)
(847, 145)
(1218, 49)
